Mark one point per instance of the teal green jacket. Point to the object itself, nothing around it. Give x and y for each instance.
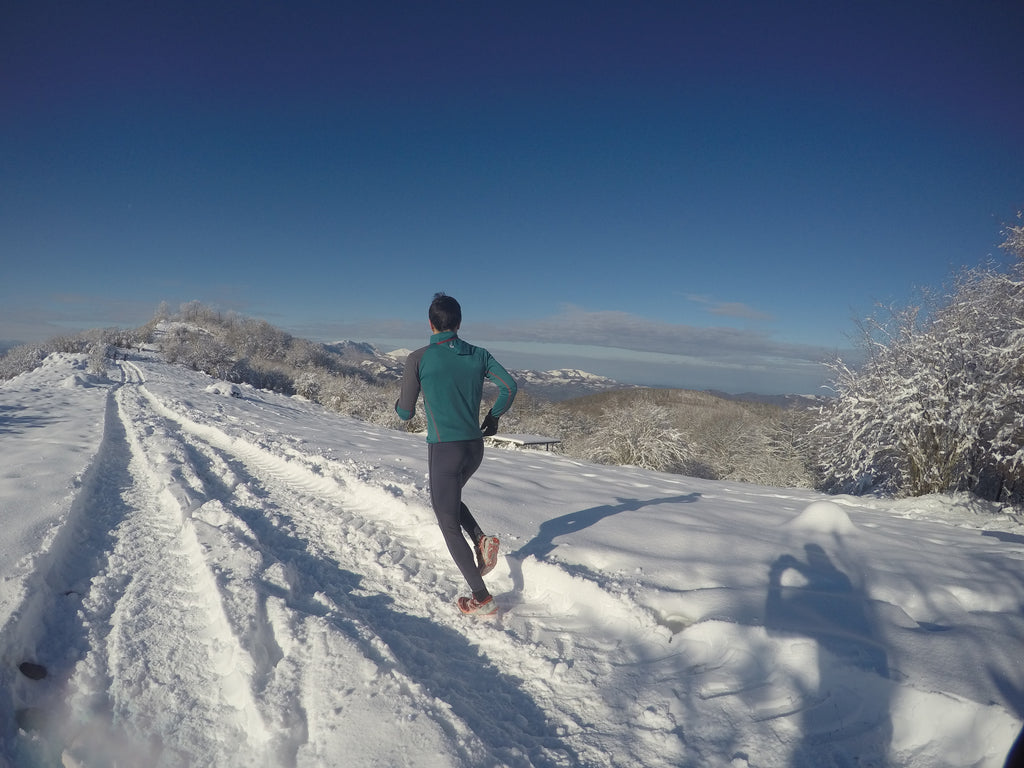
(450, 372)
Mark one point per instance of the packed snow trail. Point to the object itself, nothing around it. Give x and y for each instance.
(332, 561)
(390, 592)
(257, 582)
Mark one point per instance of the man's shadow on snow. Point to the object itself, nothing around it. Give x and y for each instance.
(543, 544)
(829, 609)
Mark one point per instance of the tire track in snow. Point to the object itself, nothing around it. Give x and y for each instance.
(125, 631)
(50, 628)
(177, 674)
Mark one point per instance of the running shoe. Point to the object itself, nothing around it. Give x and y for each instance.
(473, 607)
(487, 554)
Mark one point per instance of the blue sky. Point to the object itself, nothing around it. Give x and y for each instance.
(702, 195)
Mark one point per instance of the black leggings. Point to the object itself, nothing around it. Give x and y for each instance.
(451, 465)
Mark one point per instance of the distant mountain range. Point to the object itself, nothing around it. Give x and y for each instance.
(556, 385)
(562, 384)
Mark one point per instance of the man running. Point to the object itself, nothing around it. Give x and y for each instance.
(450, 373)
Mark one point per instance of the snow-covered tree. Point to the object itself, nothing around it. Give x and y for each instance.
(1014, 242)
(938, 404)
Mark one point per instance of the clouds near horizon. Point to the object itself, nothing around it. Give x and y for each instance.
(627, 347)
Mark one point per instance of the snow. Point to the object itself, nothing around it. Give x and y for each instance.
(249, 580)
(224, 388)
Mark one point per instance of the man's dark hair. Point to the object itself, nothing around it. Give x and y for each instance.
(445, 313)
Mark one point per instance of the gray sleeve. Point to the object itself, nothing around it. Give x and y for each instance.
(406, 405)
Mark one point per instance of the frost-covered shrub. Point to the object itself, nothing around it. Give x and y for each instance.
(1014, 238)
(99, 355)
(18, 360)
(256, 339)
(938, 404)
(789, 451)
(261, 375)
(711, 437)
(309, 384)
(72, 345)
(763, 449)
(200, 351)
(727, 438)
(640, 436)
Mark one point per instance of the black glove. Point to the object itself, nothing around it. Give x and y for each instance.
(490, 425)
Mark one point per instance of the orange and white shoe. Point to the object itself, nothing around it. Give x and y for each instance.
(473, 607)
(487, 554)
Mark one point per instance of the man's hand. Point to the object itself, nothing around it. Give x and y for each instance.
(490, 425)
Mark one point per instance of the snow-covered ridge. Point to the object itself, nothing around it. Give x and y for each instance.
(565, 383)
(559, 384)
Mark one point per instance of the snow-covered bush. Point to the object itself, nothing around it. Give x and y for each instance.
(98, 344)
(767, 450)
(199, 350)
(727, 438)
(256, 339)
(938, 404)
(310, 385)
(640, 436)
(303, 355)
(226, 389)
(712, 437)
(72, 345)
(1014, 238)
(18, 360)
(99, 357)
(262, 375)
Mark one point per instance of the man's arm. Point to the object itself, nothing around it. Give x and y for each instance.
(405, 406)
(506, 386)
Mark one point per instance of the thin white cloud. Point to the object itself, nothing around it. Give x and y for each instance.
(735, 309)
(638, 350)
(625, 331)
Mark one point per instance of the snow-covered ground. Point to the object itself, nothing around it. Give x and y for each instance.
(196, 579)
